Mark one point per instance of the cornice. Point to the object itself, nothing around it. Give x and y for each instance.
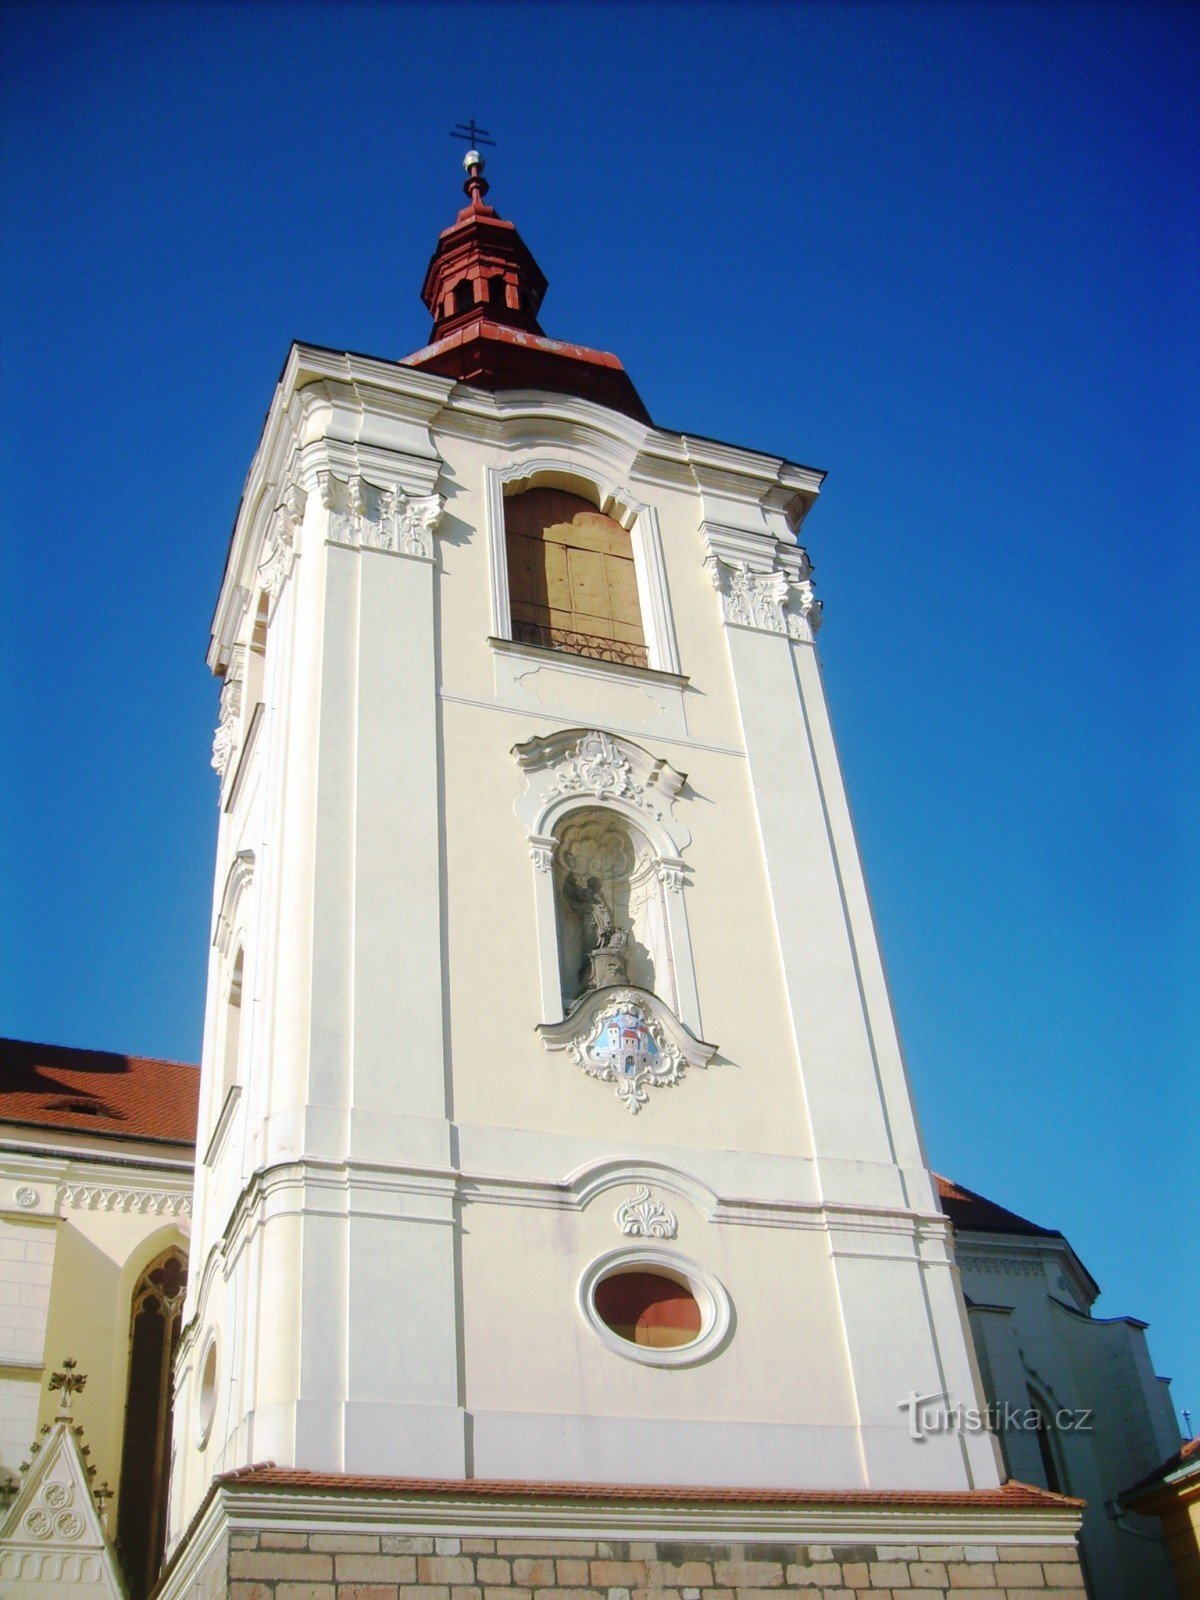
(1023, 1254)
(288, 1188)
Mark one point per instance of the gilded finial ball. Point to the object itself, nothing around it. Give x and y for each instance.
(473, 159)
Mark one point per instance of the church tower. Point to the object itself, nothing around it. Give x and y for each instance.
(557, 1170)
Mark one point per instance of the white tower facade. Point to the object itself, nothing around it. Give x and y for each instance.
(554, 1125)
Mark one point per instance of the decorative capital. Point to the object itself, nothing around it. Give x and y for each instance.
(669, 873)
(279, 550)
(364, 516)
(541, 853)
(764, 586)
(225, 737)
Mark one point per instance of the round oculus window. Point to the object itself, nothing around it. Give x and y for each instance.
(655, 1307)
(206, 1407)
(648, 1309)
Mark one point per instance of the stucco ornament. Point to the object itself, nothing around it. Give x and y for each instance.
(765, 600)
(279, 548)
(764, 584)
(364, 516)
(586, 763)
(643, 1218)
(134, 1202)
(596, 767)
(627, 1037)
(231, 708)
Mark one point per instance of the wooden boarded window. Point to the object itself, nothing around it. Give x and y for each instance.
(571, 579)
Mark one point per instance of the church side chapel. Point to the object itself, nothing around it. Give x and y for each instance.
(561, 1223)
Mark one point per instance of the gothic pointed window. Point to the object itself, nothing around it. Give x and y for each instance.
(1049, 1443)
(153, 1335)
(571, 578)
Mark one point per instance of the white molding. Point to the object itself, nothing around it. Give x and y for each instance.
(206, 1404)
(113, 1197)
(238, 879)
(497, 550)
(716, 1310)
(588, 666)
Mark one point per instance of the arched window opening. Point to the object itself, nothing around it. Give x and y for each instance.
(496, 296)
(571, 578)
(464, 297)
(1049, 1444)
(232, 1044)
(153, 1335)
(611, 914)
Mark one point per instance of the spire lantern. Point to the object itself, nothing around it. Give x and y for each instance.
(482, 267)
(484, 289)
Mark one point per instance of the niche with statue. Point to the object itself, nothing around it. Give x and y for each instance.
(609, 907)
(618, 984)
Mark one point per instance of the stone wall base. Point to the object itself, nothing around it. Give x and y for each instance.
(247, 1544)
(274, 1565)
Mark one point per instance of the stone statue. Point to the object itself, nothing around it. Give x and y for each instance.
(605, 945)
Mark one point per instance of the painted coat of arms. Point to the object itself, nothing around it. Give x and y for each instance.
(625, 1046)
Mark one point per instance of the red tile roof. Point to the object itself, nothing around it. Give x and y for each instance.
(265, 1475)
(96, 1091)
(971, 1213)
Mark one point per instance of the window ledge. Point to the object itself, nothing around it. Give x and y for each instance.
(588, 664)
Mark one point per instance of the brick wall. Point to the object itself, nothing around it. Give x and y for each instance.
(278, 1565)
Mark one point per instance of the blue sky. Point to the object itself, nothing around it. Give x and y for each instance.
(947, 252)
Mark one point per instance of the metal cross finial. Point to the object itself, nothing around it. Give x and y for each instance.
(472, 133)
